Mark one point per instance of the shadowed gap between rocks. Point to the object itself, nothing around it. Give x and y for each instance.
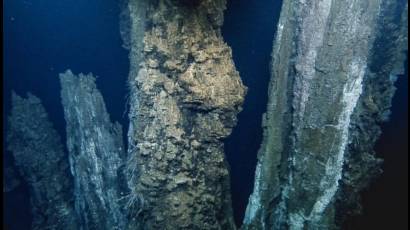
(249, 28)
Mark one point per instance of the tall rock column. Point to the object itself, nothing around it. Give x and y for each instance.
(386, 64)
(96, 154)
(39, 156)
(321, 58)
(185, 95)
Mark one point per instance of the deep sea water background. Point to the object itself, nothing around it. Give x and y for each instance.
(249, 29)
(45, 37)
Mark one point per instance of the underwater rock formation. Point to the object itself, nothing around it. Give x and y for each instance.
(185, 95)
(327, 94)
(333, 72)
(96, 154)
(39, 156)
(386, 63)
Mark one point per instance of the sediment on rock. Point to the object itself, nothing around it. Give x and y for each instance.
(96, 154)
(322, 79)
(185, 95)
(386, 63)
(38, 153)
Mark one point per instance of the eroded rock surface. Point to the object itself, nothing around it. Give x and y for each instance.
(96, 154)
(386, 63)
(323, 80)
(40, 158)
(185, 95)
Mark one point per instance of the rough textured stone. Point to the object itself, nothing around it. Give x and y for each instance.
(333, 73)
(386, 62)
(40, 158)
(321, 76)
(96, 154)
(185, 95)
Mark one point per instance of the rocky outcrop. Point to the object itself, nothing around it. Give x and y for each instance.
(333, 72)
(322, 81)
(40, 158)
(96, 154)
(386, 63)
(185, 95)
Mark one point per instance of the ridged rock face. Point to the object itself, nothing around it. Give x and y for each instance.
(40, 158)
(185, 96)
(95, 152)
(320, 74)
(386, 62)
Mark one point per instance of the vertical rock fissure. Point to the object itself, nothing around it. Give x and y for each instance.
(249, 28)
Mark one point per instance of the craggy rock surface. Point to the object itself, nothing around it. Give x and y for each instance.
(386, 62)
(95, 152)
(328, 89)
(40, 158)
(333, 72)
(185, 95)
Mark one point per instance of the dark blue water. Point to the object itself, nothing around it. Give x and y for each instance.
(45, 37)
(249, 29)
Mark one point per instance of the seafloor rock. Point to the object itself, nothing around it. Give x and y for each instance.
(96, 154)
(40, 158)
(185, 95)
(324, 79)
